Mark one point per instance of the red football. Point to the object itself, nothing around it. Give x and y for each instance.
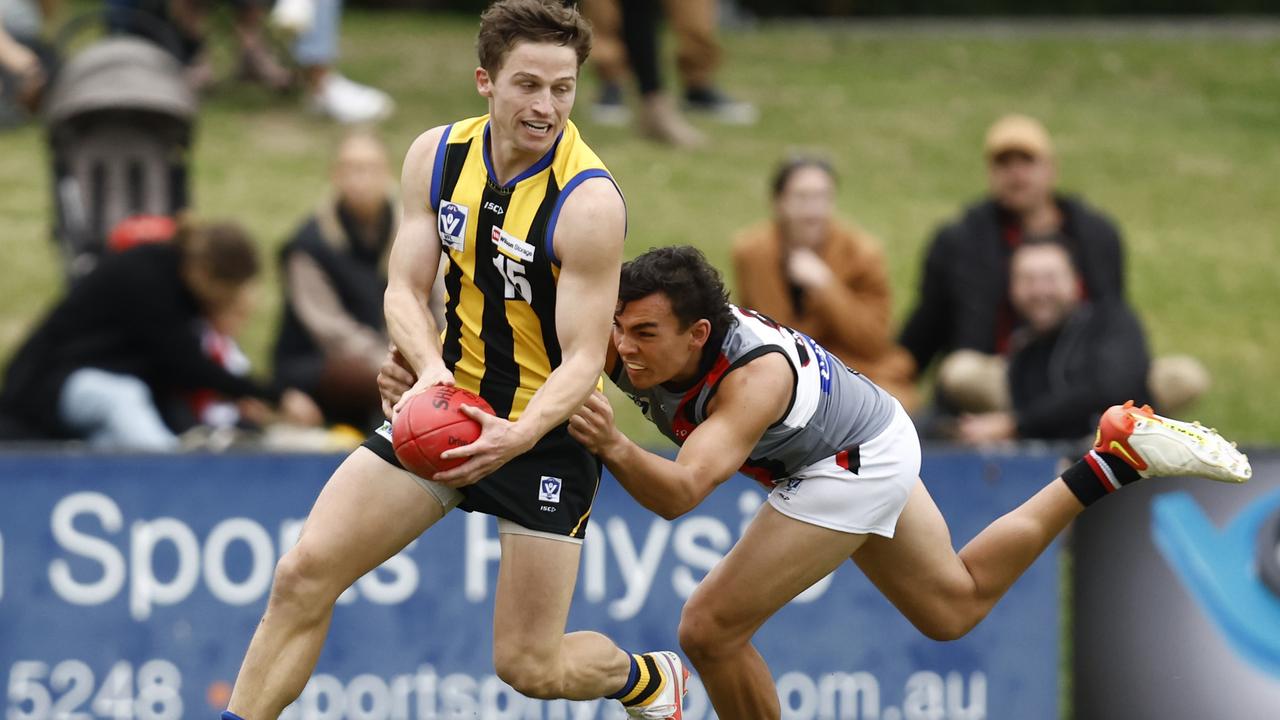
(432, 422)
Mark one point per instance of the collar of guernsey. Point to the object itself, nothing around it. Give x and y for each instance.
(500, 281)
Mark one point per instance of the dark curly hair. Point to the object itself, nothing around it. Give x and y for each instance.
(682, 273)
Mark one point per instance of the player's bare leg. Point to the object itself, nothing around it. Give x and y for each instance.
(531, 651)
(944, 593)
(776, 559)
(368, 511)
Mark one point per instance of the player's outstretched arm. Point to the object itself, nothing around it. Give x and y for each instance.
(749, 400)
(415, 258)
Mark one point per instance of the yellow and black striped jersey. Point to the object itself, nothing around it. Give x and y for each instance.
(500, 333)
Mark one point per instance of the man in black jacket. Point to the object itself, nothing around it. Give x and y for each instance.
(964, 314)
(964, 298)
(129, 335)
(1070, 360)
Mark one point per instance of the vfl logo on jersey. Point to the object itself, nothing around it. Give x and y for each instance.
(452, 224)
(512, 246)
(549, 489)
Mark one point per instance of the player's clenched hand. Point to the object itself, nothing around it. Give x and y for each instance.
(394, 379)
(593, 424)
(500, 440)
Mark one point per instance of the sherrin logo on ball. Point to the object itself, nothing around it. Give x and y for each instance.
(431, 423)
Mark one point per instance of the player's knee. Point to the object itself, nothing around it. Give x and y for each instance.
(528, 676)
(301, 582)
(701, 635)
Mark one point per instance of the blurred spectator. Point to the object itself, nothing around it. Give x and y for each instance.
(625, 43)
(127, 339)
(637, 20)
(809, 271)
(332, 335)
(318, 24)
(964, 302)
(1070, 358)
(188, 21)
(698, 56)
(609, 58)
(26, 61)
(205, 407)
(964, 299)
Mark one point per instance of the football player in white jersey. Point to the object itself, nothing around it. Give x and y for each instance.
(738, 392)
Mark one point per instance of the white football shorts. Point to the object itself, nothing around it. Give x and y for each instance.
(861, 490)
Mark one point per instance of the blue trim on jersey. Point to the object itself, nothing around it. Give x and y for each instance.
(438, 168)
(543, 163)
(573, 183)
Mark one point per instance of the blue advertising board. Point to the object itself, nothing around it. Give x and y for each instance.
(1177, 604)
(130, 586)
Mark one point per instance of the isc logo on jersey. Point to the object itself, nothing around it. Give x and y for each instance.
(452, 224)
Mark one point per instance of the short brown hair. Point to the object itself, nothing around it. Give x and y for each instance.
(223, 250)
(541, 21)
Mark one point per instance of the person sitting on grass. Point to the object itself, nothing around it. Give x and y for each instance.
(129, 335)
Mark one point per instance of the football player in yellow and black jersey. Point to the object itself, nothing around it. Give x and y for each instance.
(530, 227)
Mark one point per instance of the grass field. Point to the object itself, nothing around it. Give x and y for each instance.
(1174, 134)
